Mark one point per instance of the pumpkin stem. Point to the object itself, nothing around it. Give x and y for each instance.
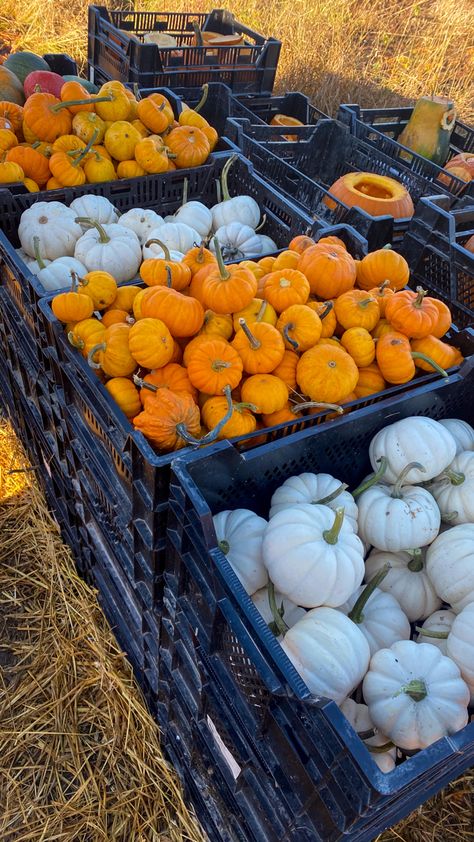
(261, 311)
(225, 275)
(220, 365)
(214, 433)
(86, 150)
(200, 255)
(419, 356)
(93, 351)
(357, 612)
(365, 303)
(76, 343)
(294, 344)
(202, 101)
(136, 92)
(300, 407)
(103, 236)
(38, 258)
(437, 635)
(327, 309)
(420, 296)
(198, 33)
(185, 192)
(75, 279)
(224, 182)
(454, 477)
(330, 497)
(416, 562)
(224, 547)
(143, 384)
(331, 535)
(448, 517)
(278, 621)
(381, 749)
(254, 342)
(384, 285)
(218, 191)
(162, 246)
(89, 101)
(366, 735)
(416, 689)
(261, 223)
(397, 486)
(374, 478)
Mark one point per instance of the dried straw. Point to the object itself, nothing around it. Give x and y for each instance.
(80, 755)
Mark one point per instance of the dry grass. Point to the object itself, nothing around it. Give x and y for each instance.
(80, 755)
(369, 51)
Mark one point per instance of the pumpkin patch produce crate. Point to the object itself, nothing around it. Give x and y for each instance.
(449, 150)
(238, 699)
(328, 156)
(439, 247)
(178, 49)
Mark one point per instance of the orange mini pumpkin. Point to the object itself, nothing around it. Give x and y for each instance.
(258, 310)
(171, 376)
(327, 374)
(266, 392)
(112, 354)
(286, 260)
(150, 343)
(155, 112)
(382, 294)
(357, 308)
(286, 370)
(383, 265)
(150, 153)
(300, 243)
(370, 381)
(300, 327)
(227, 289)
(189, 145)
(412, 313)
(330, 270)
(358, 342)
(444, 318)
(261, 348)
(284, 287)
(395, 358)
(434, 349)
(218, 325)
(125, 394)
(327, 315)
(241, 423)
(182, 314)
(197, 257)
(32, 162)
(213, 365)
(165, 271)
(169, 420)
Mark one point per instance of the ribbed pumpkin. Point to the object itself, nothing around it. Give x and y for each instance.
(300, 243)
(287, 259)
(171, 376)
(357, 308)
(241, 423)
(112, 353)
(125, 394)
(260, 347)
(85, 334)
(326, 373)
(101, 287)
(182, 314)
(286, 370)
(189, 145)
(218, 325)
(330, 270)
(412, 313)
(72, 306)
(150, 343)
(124, 298)
(258, 310)
(300, 327)
(266, 392)
(444, 318)
(370, 381)
(47, 117)
(227, 289)
(197, 257)
(395, 358)
(377, 194)
(33, 164)
(155, 112)
(381, 294)
(169, 419)
(165, 271)
(327, 314)
(383, 265)
(284, 287)
(445, 355)
(358, 342)
(213, 365)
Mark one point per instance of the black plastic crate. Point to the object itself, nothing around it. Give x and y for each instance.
(381, 127)
(283, 218)
(283, 764)
(320, 156)
(434, 247)
(117, 50)
(61, 63)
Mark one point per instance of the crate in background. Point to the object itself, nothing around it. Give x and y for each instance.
(117, 50)
(381, 127)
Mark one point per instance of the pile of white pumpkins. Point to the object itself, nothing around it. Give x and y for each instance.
(90, 235)
(404, 642)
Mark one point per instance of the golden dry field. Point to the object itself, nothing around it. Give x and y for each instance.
(375, 52)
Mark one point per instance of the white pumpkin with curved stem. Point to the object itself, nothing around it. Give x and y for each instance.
(31, 262)
(57, 275)
(315, 488)
(329, 652)
(450, 565)
(98, 208)
(460, 645)
(289, 612)
(195, 214)
(176, 235)
(358, 716)
(152, 250)
(407, 580)
(312, 555)
(377, 614)
(413, 440)
(112, 248)
(240, 535)
(436, 628)
(415, 694)
(242, 209)
(392, 517)
(54, 225)
(462, 433)
(453, 490)
(142, 221)
(239, 241)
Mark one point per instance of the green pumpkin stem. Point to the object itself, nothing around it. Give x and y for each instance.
(397, 486)
(373, 479)
(86, 150)
(261, 311)
(357, 612)
(381, 749)
(330, 497)
(75, 280)
(416, 689)
(198, 33)
(76, 343)
(162, 246)
(224, 273)
(202, 101)
(101, 346)
(417, 355)
(290, 326)
(301, 407)
(331, 536)
(454, 477)
(214, 433)
(143, 384)
(327, 309)
(416, 562)
(103, 236)
(185, 192)
(437, 635)
(89, 101)
(254, 342)
(224, 182)
(36, 249)
(278, 621)
(418, 302)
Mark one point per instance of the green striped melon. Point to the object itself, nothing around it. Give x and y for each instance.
(23, 63)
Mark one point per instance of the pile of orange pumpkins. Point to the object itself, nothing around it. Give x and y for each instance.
(77, 137)
(206, 351)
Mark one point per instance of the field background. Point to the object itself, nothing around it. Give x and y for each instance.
(374, 52)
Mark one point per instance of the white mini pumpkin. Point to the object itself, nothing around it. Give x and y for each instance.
(394, 517)
(453, 490)
(313, 555)
(243, 209)
(240, 535)
(413, 440)
(238, 242)
(415, 694)
(142, 221)
(450, 565)
(112, 248)
(197, 216)
(436, 628)
(289, 612)
(98, 208)
(378, 615)
(32, 263)
(176, 235)
(407, 580)
(58, 274)
(461, 431)
(358, 716)
(460, 645)
(329, 652)
(54, 225)
(314, 488)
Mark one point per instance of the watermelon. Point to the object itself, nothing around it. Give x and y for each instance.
(89, 86)
(44, 81)
(23, 63)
